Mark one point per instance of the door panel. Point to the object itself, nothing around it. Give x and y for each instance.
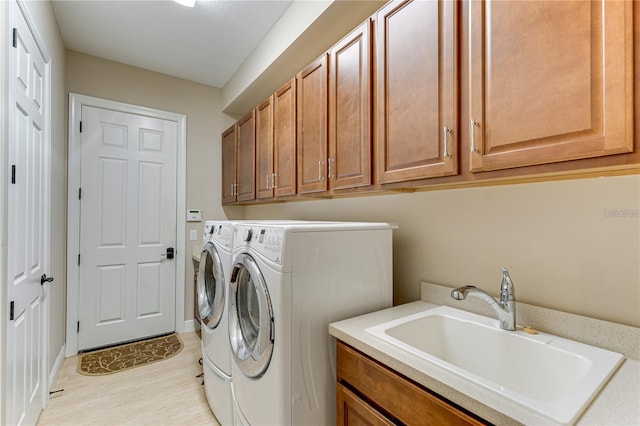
(350, 110)
(549, 81)
(111, 289)
(312, 127)
(127, 220)
(246, 188)
(284, 139)
(416, 90)
(229, 164)
(149, 289)
(150, 211)
(28, 226)
(264, 149)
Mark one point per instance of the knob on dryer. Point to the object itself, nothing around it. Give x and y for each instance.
(248, 234)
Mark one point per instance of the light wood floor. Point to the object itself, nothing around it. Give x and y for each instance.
(165, 393)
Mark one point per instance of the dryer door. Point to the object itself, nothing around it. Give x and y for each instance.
(210, 286)
(251, 328)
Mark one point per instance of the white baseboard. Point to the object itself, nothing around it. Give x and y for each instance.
(56, 366)
(189, 326)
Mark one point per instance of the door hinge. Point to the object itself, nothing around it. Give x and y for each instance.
(78, 260)
(15, 38)
(13, 174)
(11, 308)
(81, 127)
(78, 327)
(79, 193)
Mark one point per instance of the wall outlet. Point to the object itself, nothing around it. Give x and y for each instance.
(193, 234)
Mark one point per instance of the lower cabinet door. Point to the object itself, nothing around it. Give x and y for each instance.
(353, 411)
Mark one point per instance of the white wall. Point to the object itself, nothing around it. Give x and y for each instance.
(304, 32)
(563, 242)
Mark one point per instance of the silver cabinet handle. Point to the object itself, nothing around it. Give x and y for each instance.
(446, 132)
(320, 163)
(474, 124)
(331, 162)
(268, 176)
(233, 189)
(273, 180)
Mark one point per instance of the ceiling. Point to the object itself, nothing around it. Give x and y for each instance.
(205, 44)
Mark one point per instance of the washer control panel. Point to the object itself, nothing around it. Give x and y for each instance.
(208, 230)
(223, 234)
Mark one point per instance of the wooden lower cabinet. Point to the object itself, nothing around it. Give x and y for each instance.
(369, 393)
(353, 411)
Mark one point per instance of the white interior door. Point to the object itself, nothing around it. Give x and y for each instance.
(28, 224)
(128, 221)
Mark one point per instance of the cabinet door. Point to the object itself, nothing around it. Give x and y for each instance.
(416, 90)
(353, 411)
(264, 149)
(284, 139)
(391, 393)
(350, 110)
(246, 187)
(549, 81)
(229, 155)
(312, 127)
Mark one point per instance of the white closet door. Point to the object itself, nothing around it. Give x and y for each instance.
(28, 224)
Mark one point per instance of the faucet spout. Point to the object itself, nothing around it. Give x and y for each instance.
(505, 308)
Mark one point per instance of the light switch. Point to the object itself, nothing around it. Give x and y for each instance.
(193, 234)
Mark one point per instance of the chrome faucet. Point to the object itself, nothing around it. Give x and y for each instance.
(505, 309)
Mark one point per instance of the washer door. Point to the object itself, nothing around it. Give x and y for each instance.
(210, 286)
(251, 328)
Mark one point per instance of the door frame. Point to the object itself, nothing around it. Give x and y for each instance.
(76, 102)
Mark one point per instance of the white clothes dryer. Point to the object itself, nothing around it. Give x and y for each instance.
(288, 282)
(213, 299)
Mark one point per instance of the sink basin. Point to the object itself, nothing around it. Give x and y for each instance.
(553, 376)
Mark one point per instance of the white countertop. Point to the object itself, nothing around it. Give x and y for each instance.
(617, 404)
(195, 252)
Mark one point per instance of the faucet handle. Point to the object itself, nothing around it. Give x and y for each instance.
(507, 289)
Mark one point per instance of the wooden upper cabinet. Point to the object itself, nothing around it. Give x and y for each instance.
(246, 159)
(229, 145)
(549, 81)
(349, 163)
(312, 127)
(416, 90)
(284, 139)
(264, 149)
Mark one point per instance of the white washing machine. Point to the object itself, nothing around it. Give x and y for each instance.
(213, 300)
(288, 282)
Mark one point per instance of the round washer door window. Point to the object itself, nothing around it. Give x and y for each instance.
(210, 286)
(251, 330)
